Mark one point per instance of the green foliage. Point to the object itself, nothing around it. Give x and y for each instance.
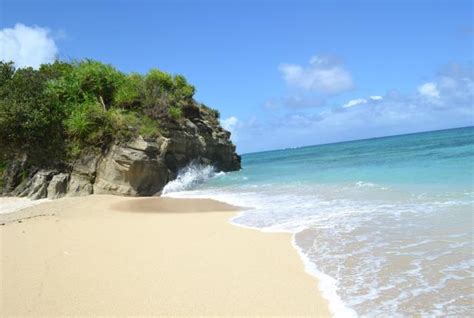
(28, 121)
(56, 69)
(175, 112)
(73, 150)
(163, 91)
(7, 69)
(97, 80)
(90, 125)
(148, 127)
(81, 81)
(128, 124)
(158, 81)
(65, 90)
(61, 108)
(131, 91)
(183, 89)
(158, 86)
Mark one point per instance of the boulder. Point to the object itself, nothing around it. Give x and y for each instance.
(79, 185)
(37, 186)
(57, 187)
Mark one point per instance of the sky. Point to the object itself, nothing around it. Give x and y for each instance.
(282, 73)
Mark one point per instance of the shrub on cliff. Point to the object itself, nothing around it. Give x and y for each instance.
(86, 80)
(89, 124)
(175, 112)
(62, 108)
(129, 124)
(165, 95)
(131, 92)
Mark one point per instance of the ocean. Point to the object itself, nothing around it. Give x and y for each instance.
(385, 224)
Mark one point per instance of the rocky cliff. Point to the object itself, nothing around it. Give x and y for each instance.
(138, 167)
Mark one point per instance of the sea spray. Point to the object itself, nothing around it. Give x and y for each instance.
(191, 176)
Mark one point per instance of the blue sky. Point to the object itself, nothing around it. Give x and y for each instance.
(282, 73)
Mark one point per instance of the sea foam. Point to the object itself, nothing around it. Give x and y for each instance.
(189, 177)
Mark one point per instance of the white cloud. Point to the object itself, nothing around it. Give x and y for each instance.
(390, 114)
(27, 46)
(361, 101)
(323, 75)
(376, 97)
(429, 90)
(355, 102)
(231, 124)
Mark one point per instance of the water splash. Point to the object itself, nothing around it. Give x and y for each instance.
(191, 176)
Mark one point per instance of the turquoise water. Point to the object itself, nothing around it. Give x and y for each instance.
(386, 224)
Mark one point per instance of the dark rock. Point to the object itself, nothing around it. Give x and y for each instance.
(79, 185)
(37, 186)
(83, 175)
(12, 176)
(200, 139)
(57, 187)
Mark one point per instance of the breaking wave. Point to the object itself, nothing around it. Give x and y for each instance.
(191, 176)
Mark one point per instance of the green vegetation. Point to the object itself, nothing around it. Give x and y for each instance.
(175, 112)
(214, 111)
(54, 113)
(128, 122)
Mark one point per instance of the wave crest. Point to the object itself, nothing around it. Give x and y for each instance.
(191, 176)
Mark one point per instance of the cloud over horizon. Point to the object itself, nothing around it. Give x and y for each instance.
(323, 75)
(445, 101)
(429, 89)
(27, 46)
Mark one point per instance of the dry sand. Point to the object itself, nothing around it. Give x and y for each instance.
(109, 255)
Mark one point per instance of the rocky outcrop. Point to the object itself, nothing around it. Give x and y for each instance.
(13, 176)
(37, 186)
(201, 138)
(83, 175)
(140, 167)
(136, 168)
(57, 187)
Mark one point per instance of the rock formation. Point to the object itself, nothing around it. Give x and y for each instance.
(139, 167)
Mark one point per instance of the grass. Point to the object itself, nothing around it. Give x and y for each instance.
(175, 112)
(128, 123)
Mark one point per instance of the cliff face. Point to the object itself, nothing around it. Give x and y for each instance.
(139, 167)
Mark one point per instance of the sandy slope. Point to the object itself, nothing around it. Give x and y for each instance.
(109, 255)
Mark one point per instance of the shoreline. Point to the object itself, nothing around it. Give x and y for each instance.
(326, 285)
(208, 265)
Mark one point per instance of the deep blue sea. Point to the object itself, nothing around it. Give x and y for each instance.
(385, 224)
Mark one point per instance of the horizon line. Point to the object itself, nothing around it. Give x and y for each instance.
(353, 140)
